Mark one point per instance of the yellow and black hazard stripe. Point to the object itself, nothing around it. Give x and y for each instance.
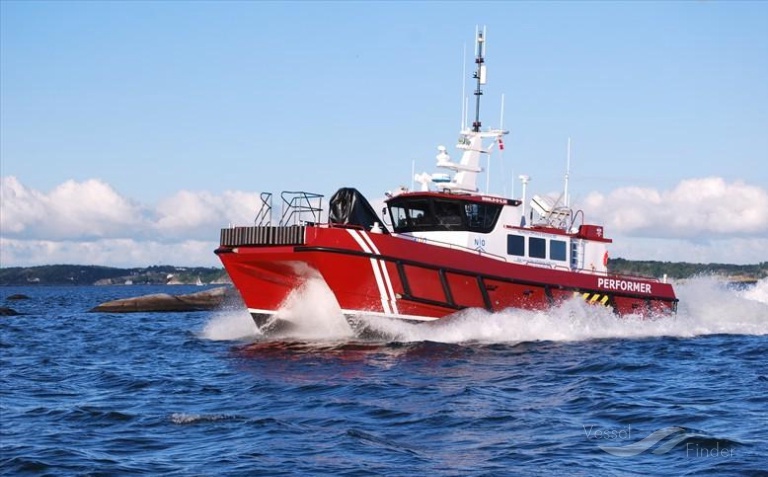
(595, 298)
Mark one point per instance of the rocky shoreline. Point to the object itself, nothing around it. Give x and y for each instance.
(164, 302)
(204, 300)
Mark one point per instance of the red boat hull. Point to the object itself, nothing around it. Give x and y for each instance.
(372, 273)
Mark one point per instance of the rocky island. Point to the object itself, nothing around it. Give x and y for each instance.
(164, 302)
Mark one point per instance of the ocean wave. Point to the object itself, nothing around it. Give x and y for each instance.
(185, 418)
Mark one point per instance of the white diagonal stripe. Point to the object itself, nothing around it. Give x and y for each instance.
(376, 271)
(359, 241)
(384, 272)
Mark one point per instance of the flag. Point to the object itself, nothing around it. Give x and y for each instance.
(501, 145)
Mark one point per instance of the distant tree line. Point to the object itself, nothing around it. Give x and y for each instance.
(98, 275)
(167, 274)
(650, 268)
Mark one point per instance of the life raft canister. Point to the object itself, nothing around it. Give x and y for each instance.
(605, 259)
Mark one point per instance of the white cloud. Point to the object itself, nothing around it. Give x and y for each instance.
(697, 209)
(93, 210)
(200, 215)
(73, 210)
(125, 253)
(700, 220)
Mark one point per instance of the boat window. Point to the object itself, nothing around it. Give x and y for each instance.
(557, 250)
(439, 214)
(449, 214)
(574, 254)
(482, 217)
(399, 216)
(413, 214)
(537, 247)
(516, 245)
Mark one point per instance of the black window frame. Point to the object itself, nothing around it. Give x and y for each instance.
(516, 245)
(537, 247)
(561, 252)
(469, 216)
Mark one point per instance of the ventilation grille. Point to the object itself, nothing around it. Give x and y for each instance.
(262, 235)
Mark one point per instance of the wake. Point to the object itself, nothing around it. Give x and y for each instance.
(707, 307)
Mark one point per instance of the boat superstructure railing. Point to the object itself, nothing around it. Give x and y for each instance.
(300, 207)
(264, 215)
(551, 213)
(534, 263)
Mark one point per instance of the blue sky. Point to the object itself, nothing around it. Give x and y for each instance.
(166, 112)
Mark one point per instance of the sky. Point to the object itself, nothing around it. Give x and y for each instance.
(131, 132)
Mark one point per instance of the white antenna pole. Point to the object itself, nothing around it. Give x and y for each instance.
(501, 149)
(501, 120)
(524, 179)
(466, 111)
(567, 173)
(413, 174)
(488, 173)
(464, 104)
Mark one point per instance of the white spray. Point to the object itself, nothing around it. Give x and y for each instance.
(707, 306)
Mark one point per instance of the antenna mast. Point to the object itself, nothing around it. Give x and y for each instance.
(479, 76)
(464, 89)
(567, 173)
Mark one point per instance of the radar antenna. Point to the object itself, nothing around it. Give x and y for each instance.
(479, 76)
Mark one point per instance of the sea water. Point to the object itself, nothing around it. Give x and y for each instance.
(571, 391)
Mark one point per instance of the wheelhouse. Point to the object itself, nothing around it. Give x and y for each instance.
(425, 212)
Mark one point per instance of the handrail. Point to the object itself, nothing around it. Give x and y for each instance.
(638, 277)
(331, 225)
(265, 212)
(298, 203)
(525, 262)
(450, 245)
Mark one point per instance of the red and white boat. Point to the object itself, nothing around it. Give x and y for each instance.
(441, 249)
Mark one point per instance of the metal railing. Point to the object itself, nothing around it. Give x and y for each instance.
(300, 207)
(264, 215)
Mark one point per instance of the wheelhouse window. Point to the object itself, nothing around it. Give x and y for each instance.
(415, 215)
(557, 250)
(516, 245)
(482, 216)
(537, 247)
(448, 213)
(412, 214)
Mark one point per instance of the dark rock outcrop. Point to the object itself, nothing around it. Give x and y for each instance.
(17, 296)
(204, 300)
(8, 311)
